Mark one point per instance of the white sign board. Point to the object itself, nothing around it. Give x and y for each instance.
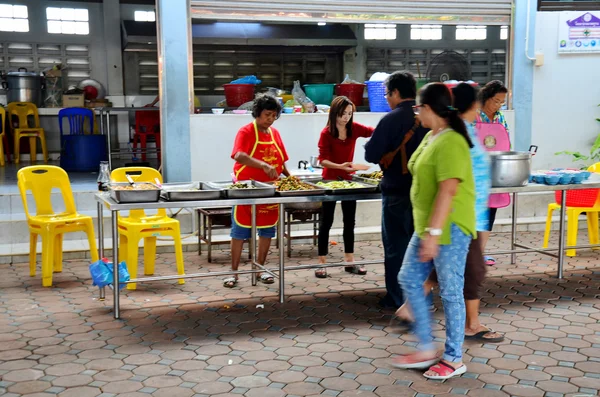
(579, 32)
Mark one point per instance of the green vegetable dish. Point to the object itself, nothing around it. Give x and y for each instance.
(340, 185)
(241, 185)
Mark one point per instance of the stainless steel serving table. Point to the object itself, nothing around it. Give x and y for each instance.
(104, 200)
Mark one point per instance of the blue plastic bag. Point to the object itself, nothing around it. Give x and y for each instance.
(247, 80)
(102, 273)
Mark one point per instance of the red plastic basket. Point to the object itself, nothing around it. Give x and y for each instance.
(354, 92)
(238, 94)
(579, 198)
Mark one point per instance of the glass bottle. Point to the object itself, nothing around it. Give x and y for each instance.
(103, 176)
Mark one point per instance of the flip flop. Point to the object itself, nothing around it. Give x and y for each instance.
(321, 273)
(445, 371)
(489, 260)
(266, 279)
(480, 337)
(356, 269)
(230, 282)
(409, 361)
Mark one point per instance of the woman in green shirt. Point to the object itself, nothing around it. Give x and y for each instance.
(443, 200)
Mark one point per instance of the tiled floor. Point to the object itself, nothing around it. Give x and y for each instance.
(330, 338)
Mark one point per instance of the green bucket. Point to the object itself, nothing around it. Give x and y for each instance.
(320, 94)
(421, 83)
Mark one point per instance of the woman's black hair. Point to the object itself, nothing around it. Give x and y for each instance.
(464, 97)
(490, 90)
(439, 98)
(265, 102)
(338, 106)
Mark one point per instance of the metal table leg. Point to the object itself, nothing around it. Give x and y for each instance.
(253, 245)
(561, 234)
(281, 254)
(102, 292)
(513, 233)
(115, 241)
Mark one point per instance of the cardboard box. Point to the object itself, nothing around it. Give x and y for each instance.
(72, 100)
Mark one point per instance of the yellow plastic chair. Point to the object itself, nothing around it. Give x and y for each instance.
(138, 225)
(2, 135)
(51, 226)
(21, 111)
(573, 214)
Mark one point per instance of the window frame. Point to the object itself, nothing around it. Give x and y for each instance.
(417, 26)
(383, 27)
(74, 21)
(471, 28)
(17, 18)
(545, 5)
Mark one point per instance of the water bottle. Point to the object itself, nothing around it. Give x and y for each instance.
(103, 177)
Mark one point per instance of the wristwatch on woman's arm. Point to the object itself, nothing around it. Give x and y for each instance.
(433, 232)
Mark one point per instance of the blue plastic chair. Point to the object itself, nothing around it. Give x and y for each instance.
(80, 152)
(76, 117)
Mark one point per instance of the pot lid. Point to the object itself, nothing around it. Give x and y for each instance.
(22, 73)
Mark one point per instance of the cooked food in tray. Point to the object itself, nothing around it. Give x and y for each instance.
(340, 185)
(378, 175)
(135, 186)
(241, 185)
(292, 183)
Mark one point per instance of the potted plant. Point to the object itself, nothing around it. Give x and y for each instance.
(587, 159)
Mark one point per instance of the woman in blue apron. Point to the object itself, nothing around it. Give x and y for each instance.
(493, 134)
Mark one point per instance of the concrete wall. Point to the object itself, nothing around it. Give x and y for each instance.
(566, 95)
(212, 136)
(38, 33)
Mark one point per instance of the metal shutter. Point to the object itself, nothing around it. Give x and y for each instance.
(489, 12)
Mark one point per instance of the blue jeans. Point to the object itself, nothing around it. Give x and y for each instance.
(397, 229)
(450, 267)
(244, 233)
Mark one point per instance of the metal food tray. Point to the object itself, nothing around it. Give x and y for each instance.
(260, 189)
(294, 193)
(368, 181)
(134, 196)
(367, 188)
(189, 192)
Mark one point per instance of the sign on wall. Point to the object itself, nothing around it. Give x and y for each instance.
(579, 32)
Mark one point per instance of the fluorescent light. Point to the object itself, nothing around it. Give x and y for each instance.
(322, 23)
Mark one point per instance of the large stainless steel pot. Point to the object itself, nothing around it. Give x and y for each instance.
(510, 169)
(23, 86)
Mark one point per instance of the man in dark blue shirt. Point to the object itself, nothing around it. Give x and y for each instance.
(395, 139)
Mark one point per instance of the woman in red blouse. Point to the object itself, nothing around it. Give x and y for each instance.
(336, 152)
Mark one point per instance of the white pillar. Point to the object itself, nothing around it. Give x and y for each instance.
(174, 36)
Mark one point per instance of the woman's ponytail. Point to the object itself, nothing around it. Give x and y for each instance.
(458, 124)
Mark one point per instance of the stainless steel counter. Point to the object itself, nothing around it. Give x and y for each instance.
(104, 200)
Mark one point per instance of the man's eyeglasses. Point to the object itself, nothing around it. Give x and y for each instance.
(417, 108)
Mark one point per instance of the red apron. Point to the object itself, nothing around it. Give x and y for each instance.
(494, 138)
(268, 151)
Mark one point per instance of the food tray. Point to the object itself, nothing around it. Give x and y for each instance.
(368, 181)
(189, 192)
(294, 193)
(367, 188)
(134, 196)
(260, 189)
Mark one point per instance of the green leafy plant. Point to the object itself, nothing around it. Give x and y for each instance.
(589, 159)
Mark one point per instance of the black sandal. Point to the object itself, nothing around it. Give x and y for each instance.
(356, 269)
(480, 337)
(321, 273)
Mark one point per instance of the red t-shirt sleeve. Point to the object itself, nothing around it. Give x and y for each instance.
(244, 140)
(362, 131)
(325, 145)
(279, 142)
